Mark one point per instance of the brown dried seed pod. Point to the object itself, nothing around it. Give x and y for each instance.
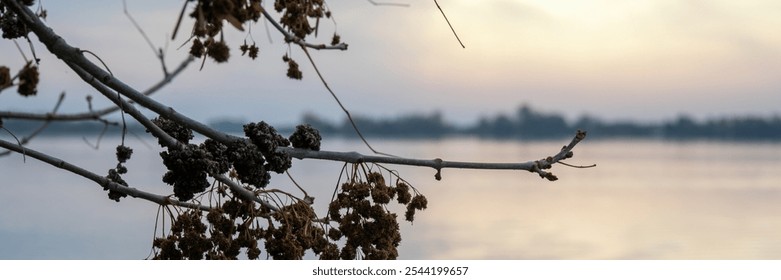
(219, 51)
(5, 77)
(28, 80)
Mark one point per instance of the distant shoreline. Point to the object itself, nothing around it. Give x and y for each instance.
(525, 124)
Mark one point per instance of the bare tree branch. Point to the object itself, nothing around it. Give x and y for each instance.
(344, 109)
(100, 180)
(300, 41)
(41, 128)
(448, 24)
(93, 115)
(375, 3)
(537, 166)
(97, 75)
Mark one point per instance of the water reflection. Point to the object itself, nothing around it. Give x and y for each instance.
(645, 200)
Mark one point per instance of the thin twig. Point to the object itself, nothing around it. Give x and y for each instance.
(41, 128)
(346, 112)
(21, 52)
(537, 166)
(577, 166)
(157, 51)
(307, 198)
(100, 137)
(448, 24)
(100, 180)
(99, 79)
(19, 143)
(138, 27)
(375, 3)
(92, 115)
(99, 59)
(300, 41)
(179, 21)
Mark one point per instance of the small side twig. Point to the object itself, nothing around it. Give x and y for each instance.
(157, 51)
(41, 128)
(99, 59)
(375, 3)
(448, 24)
(23, 150)
(346, 112)
(101, 180)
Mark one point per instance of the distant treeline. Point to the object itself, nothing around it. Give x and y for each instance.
(525, 123)
(528, 123)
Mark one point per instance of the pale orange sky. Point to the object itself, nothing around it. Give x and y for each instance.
(641, 60)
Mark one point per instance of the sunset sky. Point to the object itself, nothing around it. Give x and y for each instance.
(646, 61)
(617, 60)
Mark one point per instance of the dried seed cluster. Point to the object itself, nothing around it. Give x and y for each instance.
(253, 49)
(5, 77)
(209, 16)
(28, 80)
(232, 228)
(114, 174)
(296, 15)
(363, 219)
(10, 24)
(174, 129)
(306, 137)
(189, 167)
(187, 239)
(235, 227)
(267, 140)
(293, 71)
(295, 232)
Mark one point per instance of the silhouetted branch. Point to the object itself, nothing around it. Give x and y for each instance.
(93, 115)
(300, 41)
(41, 128)
(537, 166)
(100, 180)
(344, 109)
(375, 3)
(97, 77)
(448, 24)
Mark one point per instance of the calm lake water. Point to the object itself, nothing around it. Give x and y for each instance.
(644, 200)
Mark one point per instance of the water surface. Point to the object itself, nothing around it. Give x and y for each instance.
(645, 200)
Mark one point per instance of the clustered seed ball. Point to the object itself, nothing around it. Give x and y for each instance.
(249, 164)
(266, 138)
(176, 130)
(218, 153)
(28, 80)
(5, 77)
(11, 25)
(218, 50)
(336, 39)
(209, 17)
(418, 202)
(187, 170)
(123, 153)
(296, 14)
(306, 137)
(197, 49)
(114, 175)
(293, 71)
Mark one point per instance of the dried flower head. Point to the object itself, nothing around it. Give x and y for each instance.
(28, 80)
